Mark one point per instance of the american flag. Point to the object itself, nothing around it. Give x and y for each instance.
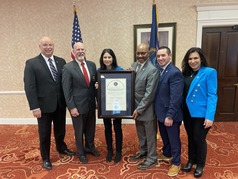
(76, 33)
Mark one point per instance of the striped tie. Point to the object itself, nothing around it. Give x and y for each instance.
(53, 69)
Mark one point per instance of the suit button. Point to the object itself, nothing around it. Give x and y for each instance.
(198, 84)
(191, 101)
(194, 95)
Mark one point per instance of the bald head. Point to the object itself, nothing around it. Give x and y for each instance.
(143, 46)
(142, 52)
(46, 46)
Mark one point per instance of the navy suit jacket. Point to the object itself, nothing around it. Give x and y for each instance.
(169, 95)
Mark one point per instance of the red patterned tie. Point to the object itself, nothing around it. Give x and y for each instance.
(85, 73)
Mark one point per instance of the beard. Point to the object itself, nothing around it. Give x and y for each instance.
(80, 57)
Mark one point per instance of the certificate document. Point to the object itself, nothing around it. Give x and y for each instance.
(116, 95)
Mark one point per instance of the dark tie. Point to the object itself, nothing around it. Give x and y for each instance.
(161, 71)
(53, 69)
(85, 73)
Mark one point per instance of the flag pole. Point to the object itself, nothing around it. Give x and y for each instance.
(76, 32)
(154, 43)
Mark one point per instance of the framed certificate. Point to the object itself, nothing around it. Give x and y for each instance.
(116, 94)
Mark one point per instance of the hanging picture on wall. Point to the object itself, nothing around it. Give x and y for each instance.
(166, 36)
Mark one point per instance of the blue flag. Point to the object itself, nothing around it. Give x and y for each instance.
(154, 42)
(76, 32)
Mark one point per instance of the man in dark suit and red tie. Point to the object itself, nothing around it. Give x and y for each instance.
(168, 109)
(79, 78)
(43, 87)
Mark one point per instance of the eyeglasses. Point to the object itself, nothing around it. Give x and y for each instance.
(141, 53)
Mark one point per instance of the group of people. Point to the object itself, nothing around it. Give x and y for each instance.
(164, 97)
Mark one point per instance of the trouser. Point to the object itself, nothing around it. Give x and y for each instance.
(171, 141)
(118, 134)
(84, 124)
(197, 145)
(44, 130)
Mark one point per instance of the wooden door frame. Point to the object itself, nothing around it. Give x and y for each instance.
(214, 15)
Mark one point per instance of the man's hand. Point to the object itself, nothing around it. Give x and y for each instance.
(74, 112)
(168, 121)
(96, 85)
(135, 115)
(37, 113)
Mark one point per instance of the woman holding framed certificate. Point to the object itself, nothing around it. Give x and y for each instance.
(108, 61)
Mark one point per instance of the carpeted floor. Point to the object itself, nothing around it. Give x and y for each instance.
(20, 156)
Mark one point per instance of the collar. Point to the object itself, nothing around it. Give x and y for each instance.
(46, 58)
(166, 65)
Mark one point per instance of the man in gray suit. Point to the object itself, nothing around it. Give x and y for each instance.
(144, 116)
(79, 77)
(46, 99)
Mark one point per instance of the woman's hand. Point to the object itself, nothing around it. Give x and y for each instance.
(207, 123)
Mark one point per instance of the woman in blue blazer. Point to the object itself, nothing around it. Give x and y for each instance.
(108, 61)
(200, 101)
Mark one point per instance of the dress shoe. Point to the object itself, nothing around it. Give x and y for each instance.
(67, 152)
(161, 157)
(117, 157)
(173, 170)
(138, 156)
(94, 152)
(47, 165)
(198, 172)
(187, 167)
(83, 159)
(146, 164)
(109, 156)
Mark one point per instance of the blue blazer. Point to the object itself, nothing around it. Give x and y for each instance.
(169, 95)
(202, 95)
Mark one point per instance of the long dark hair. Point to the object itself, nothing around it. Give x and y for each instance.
(114, 59)
(186, 69)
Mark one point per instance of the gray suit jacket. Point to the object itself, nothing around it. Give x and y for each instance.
(77, 93)
(145, 86)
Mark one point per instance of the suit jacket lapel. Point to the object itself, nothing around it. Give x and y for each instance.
(166, 70)
(90, 69)
(139, 73)
(57, 63)
(45, 66)
(78, 70)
